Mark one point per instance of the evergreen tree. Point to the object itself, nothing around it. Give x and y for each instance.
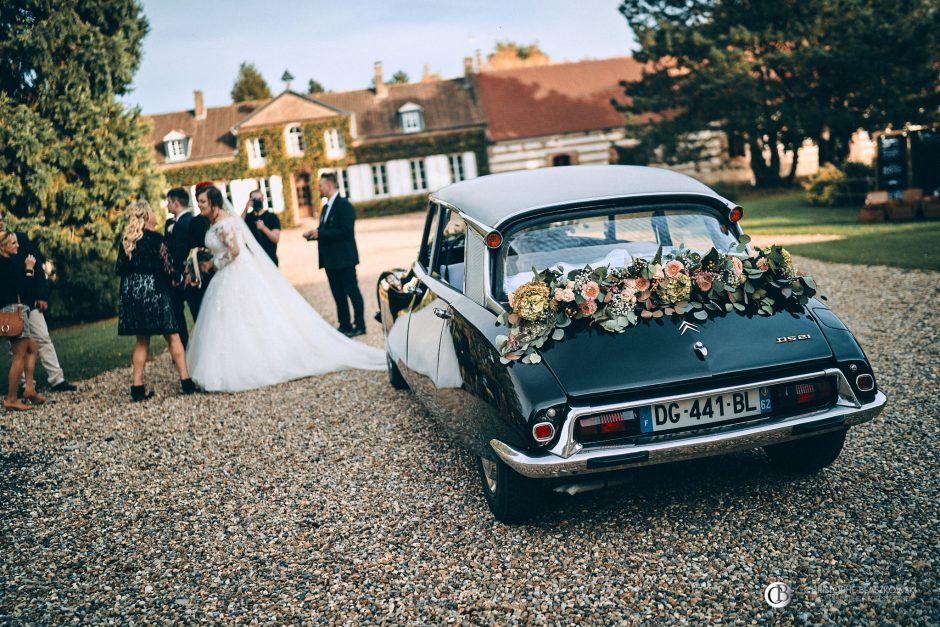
(72, 156)
(777, 72)
(249, 84)
(314, 87)
(400, 77)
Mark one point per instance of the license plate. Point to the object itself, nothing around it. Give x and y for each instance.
(704, 410)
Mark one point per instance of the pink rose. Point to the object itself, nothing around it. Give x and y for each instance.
(762, 264)
(591, 290)
(657, 271)
(588, 307)
(703, 281)
(674, 268)
(737, 265)
(642, 284)
(629, 285)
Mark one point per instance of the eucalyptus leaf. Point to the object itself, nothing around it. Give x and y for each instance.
(559, 334)
(701, 315)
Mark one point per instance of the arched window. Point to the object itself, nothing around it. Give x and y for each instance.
(295, 140)
(411, 117)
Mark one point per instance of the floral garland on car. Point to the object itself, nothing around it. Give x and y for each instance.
(680, 283)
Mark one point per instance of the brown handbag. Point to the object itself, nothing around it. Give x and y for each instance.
(11, 322)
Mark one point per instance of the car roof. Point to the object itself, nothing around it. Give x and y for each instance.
(492, 199)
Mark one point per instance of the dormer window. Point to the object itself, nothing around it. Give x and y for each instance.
(295, 141)
(257, 153)
(335, 146)
(176, 146)
(411, 118)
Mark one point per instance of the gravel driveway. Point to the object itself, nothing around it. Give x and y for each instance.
(335, 500)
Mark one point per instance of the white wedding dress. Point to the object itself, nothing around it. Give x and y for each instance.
(254, 329)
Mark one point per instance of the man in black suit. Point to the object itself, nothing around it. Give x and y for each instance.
(178, 239)
(336, 239)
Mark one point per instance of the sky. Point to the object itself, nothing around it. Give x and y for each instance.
(199, 45)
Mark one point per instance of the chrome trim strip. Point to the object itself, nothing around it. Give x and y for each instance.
(567, 446)
(548, 465)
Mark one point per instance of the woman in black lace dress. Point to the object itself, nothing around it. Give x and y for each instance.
(145, 307)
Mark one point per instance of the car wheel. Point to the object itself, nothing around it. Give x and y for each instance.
(807, 455)
(394, 374)
(511, 497)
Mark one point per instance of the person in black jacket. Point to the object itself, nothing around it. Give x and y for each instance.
(145, 307)
(16, 282)
(38, 302)
(179, 231)
(336, 240)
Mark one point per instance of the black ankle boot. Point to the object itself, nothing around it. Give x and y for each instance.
(187, 386)
(140, 393)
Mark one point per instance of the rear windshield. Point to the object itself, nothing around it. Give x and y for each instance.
(614, 238)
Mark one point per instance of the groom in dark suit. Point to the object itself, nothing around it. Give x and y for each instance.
(336, 239)
(179, 227)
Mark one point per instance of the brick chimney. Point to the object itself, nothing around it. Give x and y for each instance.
(200, 109)
(381, 89)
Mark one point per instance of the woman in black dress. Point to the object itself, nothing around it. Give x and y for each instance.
(16, 278)
(145, 307)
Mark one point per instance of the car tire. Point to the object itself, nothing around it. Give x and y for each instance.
(394, 374)
(512, 498)
(808, 455)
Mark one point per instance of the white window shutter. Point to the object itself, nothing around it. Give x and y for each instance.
(438, 169)
(359, 181)
(240, 190)
(470, 165)
(399, 177)
(277, 194)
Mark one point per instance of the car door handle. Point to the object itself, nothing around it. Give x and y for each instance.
(442, 313)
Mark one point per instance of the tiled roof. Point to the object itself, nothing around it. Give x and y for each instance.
(560, 98)
(210, 138)
(447, 104)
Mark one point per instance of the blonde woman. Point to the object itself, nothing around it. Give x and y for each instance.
(145, 307)
(18, 275)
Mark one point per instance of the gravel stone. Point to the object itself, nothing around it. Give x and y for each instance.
(336, 500)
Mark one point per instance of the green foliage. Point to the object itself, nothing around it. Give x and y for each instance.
(249, 84)
(71, 155)
(391, 206)
(411, 147)
(832, 186)
(777, 73)
(522, 52)
(400, 77)
(277, 161)
(315, 87)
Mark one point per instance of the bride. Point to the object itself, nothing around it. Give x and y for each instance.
(254, 329)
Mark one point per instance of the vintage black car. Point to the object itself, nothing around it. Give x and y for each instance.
(595, 402)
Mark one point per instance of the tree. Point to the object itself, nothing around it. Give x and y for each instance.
(509, 54)
(72, 156)
(314, 87)
(249, 84)
(400, 77)
(778, 72)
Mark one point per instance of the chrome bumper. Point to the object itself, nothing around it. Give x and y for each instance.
(567, 460)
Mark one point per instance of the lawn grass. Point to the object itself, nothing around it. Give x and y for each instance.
(85, 350)
(901, 244)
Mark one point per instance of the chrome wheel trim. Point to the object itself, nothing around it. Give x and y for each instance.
(489, 473)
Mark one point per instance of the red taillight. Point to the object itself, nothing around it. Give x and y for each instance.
(736, 214)
(805, 393)
(793, 395)
(612, 422)
(494, 239)
(543, 431)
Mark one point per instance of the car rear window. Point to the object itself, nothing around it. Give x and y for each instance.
(614, 238)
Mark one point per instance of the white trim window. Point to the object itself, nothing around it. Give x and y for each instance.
(419, 176)
(335, 146)
(341, 178)
(176, 150)
(295, 140)
(379, 179)
(457, 172)
(257, 152)
(411, 118)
